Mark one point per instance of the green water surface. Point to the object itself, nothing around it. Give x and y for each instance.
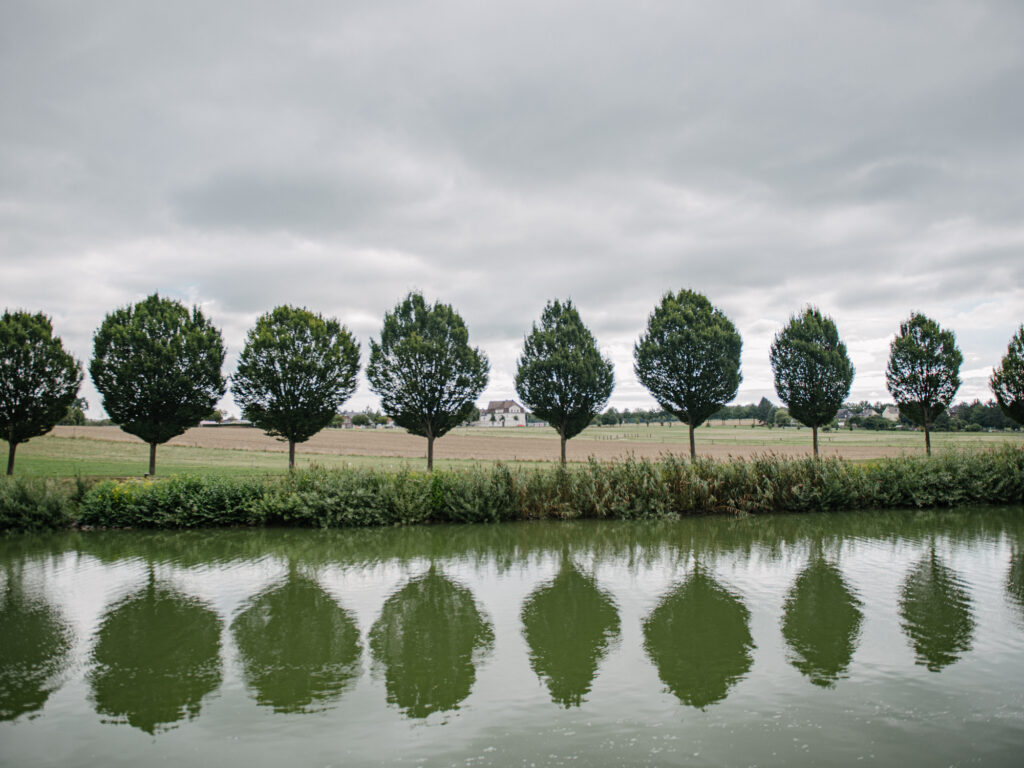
(878, 638)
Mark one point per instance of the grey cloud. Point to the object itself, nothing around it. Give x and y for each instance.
(865, 157)
(312, 204)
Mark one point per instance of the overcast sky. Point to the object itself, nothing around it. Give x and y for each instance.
(866, 157)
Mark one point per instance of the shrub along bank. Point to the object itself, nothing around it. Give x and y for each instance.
(623, 490)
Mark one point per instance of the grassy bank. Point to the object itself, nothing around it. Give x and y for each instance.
(330, 498)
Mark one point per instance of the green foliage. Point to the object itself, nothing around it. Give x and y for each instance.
(295, 371)
(812, 371)
(1007, 380)
(75, 413)
(321, 498)
(174, 502)
(38, 380)
(424, 371)
(689, 357)
(766, 411)
(34, 505)
(158, 368)
(626, 490)
(876, 423)
(561, 376)
(477, 496)
(984, 415)
(923, 373)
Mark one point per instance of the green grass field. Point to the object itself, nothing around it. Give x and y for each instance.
(84, 457)
(51, 456)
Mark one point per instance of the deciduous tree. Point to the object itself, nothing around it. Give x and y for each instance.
(38, 380)
(765, 411)
(295, 371)
(689, 358)
(423, 369)
(923, 373)
(1007, 380)
(561, 376)
(158, 367)
(812, 371)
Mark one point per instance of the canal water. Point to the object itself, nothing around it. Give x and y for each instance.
(868, 638)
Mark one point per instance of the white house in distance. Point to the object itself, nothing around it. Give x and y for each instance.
(502, 413)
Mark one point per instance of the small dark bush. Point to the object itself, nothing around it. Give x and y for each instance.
(34, 505)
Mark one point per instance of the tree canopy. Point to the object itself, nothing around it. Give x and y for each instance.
(38, 380)
(423, 369)
(812, 371)
(561, 376)
(295, 371)
(689, 358)
(158, 367)
(923, 373)
(1007, 380)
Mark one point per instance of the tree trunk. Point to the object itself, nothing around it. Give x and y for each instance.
(562, 435)
(152, 459)
(693, 444)
(927, 440)
(430, 453)
(814, 440)
(291, 455)
(10, 457)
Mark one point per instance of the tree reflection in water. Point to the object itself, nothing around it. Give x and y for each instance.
(157, 655)
(300, 650)
(1015, 578)
(821, 623)
(569, 625)
(936, 613)
(33, 648)
(699, 639)
(428, 639)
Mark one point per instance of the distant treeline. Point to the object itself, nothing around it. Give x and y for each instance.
(966, 416)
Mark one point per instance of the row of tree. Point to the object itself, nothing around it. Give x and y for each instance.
(689, 359)
(158, 367)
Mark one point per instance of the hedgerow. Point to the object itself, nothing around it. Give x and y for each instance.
(625, 490)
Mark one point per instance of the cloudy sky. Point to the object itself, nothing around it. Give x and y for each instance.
(866, 157)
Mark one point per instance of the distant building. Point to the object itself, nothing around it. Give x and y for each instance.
(503, 413)
(891, 412)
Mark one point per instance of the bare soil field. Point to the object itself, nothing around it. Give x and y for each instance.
(537, 444)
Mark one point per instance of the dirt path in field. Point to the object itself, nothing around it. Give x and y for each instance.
(360, 442)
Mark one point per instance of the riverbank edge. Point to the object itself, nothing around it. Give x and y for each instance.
(629, 489)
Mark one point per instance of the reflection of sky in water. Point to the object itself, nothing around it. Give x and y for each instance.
(881, 686)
